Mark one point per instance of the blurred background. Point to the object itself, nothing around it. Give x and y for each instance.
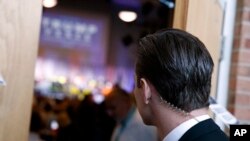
(64, 56)
(85, 48)
(88, 45)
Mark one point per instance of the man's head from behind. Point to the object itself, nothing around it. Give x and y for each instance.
(118, 103)
(178, 66)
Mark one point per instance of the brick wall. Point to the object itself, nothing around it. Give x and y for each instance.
(239, 96)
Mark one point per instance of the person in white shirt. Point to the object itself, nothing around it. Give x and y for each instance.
(173, 79)
(130, 126)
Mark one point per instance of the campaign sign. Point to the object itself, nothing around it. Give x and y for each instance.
(239, 132)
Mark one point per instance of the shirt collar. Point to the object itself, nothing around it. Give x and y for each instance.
(181, 129)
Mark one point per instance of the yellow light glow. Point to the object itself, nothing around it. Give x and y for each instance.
(81, 97)
(62, 79)
(86, 92)
(92, 83)
(74, 90)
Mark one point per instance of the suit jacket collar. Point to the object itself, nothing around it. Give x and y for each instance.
(200, 129)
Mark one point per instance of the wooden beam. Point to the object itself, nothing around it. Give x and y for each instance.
(205, 18)
(180, 14)
(19, 35)
(202, 18)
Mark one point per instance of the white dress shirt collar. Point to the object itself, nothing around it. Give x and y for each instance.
(180, 130)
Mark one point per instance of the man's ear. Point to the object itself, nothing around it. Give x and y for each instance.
(146, 90)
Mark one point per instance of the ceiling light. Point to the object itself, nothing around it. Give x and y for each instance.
(49, 3)
(168, 3)
(127, 16)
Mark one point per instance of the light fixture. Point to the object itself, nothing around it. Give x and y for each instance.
(49, 3)
(54, 125)
(127, 16)
(168, 3)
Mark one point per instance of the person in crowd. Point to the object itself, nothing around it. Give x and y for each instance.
(82, 126)
(173, 78)
(130, 126)
(36, 125)
(88, 122)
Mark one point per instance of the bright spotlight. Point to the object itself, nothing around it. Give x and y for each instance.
(127, 16)
(49, 3)
(168, 3)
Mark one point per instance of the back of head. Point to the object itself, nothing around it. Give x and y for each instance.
(119, 93)
(118, 103)
(179, 67)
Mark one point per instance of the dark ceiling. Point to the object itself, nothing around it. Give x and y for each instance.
(152, 14)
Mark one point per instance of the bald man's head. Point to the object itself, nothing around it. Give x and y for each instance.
(118, 103)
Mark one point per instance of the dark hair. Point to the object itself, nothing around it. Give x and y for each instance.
(178, 65)
(118, 91)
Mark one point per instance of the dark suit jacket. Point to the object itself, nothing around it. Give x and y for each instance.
(206, 130)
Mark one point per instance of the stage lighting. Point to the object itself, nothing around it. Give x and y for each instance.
(49, 3)
(127, 16)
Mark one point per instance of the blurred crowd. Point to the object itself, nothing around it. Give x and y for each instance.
(72, 119)
(69, 119)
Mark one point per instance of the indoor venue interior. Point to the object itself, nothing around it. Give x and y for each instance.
(86, 47)
(103, 70)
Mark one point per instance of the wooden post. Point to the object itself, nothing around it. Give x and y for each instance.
(180, 14)
(204, 20)
(19, 35)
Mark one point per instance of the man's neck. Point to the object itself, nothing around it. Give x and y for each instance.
(171, 119)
